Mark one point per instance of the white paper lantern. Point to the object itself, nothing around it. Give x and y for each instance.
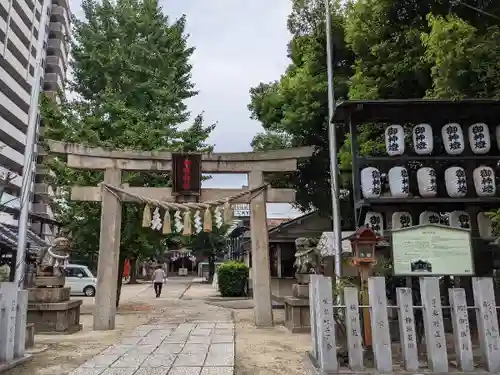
(479, 139)
(423, 140)
(485, 226)
(459, 219)
(456, 182)
(399, 183)
(375, 221)
(426, 180)
(453, 139)
(429, 217)
(395, 140)
(371, 185)
(484, 181)
(401, 220)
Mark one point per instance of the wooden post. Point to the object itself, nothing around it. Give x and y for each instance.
(8, 306)
(382, 349)
(487, 322)
(353, 326)
(407, 332)
(364, 273)
(437, 355)
(109, 254)
(21, 316)
(261, 275)
(325, 329)
(461, 329)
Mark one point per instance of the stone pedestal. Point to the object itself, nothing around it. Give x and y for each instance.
(51, 311)
(300, 290)
(297, 316)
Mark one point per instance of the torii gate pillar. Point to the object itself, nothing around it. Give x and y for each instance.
(261, 277)
(109, 254)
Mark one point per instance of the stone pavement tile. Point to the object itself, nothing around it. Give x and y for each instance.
(205, 326)
(132, 360)
(195, 348)
(199, 340)
(119, 371)
(118, 349)
(101, 360)
(139, 332)
(185, 371)
(185, 327)
(224, 326)
(201, 332)
(159, 360)
(87, 371)
(151, 340)
(222, 339)
(220, 355)
(217, 371)
(144, 349)
(190, 359)
(130, 340)
(175, 340)
(160, 333)
(219, 331)
(169, 348)
(152, 371)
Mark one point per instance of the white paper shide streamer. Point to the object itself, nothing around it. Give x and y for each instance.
(156, 222)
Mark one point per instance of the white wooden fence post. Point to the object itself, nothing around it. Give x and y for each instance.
(381, 337)
(325, 324)
(487, 321)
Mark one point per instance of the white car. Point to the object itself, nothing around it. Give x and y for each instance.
(80, 280)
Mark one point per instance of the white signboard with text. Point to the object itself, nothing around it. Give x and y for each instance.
(432, 250)
(241, 210)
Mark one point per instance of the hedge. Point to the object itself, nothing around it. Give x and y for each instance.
(232, 278)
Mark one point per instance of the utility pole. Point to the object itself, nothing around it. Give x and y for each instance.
(332, 140)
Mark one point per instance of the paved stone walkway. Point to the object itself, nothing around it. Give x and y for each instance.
(201, 348)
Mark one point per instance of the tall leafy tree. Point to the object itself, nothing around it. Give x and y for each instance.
(294, 110)
(131, 76)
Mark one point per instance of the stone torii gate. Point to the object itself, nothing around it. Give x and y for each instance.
(113, 162)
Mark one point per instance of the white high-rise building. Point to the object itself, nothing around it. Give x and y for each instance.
(33, 33)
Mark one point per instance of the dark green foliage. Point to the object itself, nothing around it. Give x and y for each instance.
(232, 278)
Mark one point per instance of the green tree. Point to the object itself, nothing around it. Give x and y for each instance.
(294, 110)
(213, 245)
(131, 76)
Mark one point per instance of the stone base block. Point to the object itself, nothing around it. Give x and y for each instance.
(56, 318)
(50, 281)
(297, 317)
(300, 290)
(48, 295)
(29, 340)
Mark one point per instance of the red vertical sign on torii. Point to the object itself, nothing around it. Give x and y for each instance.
(186, 176)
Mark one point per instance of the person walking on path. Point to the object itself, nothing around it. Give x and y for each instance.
(159, 278)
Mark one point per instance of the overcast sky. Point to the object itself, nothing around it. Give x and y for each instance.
(239, 43)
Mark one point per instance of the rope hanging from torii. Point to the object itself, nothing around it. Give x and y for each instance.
(222, 211)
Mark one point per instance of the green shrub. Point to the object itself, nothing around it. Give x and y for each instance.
(232, 278)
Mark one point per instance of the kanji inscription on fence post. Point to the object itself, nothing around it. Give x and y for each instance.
(327, 347)
(487, 322)
(461, 329)
(353, 326)
(433, 323)
(408, 335)
(312, 312)
(382, 350)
